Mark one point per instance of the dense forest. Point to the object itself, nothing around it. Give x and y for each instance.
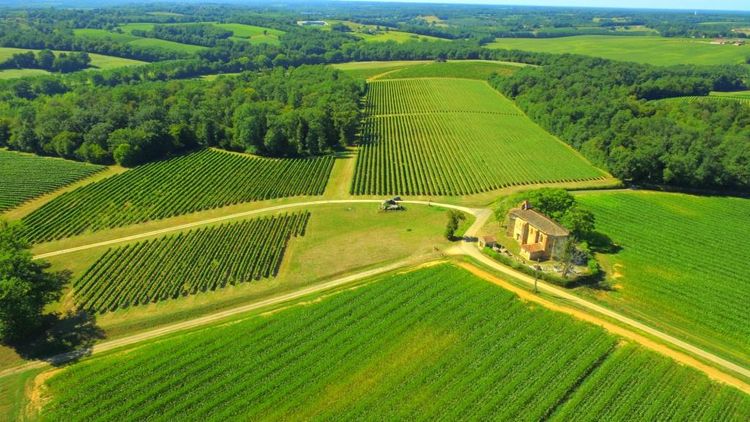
(296, 112)
(602, 108)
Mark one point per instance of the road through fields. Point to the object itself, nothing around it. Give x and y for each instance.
(467, 248)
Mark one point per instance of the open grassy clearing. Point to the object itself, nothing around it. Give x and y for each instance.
(126, 37)
(187, 263)
(27, 176)
(198, 181)
(455, 137)
(468, 69)
(98, 61)
(682, 266)
(642, 49)
(251, 33)
(366, 70)
(21, 73)
(414, 345)
(373, 33)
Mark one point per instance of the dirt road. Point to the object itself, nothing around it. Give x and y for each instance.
(466, 248)
(208, 319)
(471, 250)
(138, 236)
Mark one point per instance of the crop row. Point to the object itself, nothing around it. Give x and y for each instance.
(459, 154)
(198, 181)
(187, 263)
(677, 268)
(25, 176)
(436, 343)
(435, 95)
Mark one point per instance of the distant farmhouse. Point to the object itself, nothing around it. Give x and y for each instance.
(540, 237)
(312, 23)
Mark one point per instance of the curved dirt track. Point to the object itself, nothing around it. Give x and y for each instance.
(467, 248)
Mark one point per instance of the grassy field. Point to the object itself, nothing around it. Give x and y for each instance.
(187, 263)
(98, 61)
(198, 181)
(682, 264)
(371, 33)
(251, 33)
(127, 38)
(739, 96)
(418, 345)
(27, 176)
(468, 69)
(642, 49)
(455, 137)
(21, 73)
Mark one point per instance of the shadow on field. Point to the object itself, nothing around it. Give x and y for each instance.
(68, 338)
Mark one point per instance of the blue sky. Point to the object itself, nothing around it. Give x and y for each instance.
(651, 4)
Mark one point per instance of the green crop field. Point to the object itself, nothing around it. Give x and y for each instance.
(26, 176)
(126, 37)
(467, 69)
(187, 263)
(455, 137)
(682, 263)
(642, 49)
(436, 343)
(251, 33)
(99, 61)
(198, 181)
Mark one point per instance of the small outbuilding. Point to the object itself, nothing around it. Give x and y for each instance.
(487, 242)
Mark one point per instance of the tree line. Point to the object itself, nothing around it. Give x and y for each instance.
(280, 113)
(47, 60)
(604, 109)
(196, 33)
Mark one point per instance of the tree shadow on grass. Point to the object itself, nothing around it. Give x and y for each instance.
(67, 338)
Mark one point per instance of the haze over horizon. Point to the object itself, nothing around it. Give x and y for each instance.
(729, 5)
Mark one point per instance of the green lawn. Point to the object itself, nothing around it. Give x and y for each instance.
(447, 137)
(642, 49)
(683, 264)
(436, 343)
(99, 61)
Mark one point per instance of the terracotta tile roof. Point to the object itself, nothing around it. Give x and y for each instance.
(540, 221)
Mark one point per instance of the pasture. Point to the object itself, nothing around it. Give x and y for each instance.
(251, 33)
(99, 61)
(26, 176)
(21, 73)
(189, 183)
(187, 263)
(373, 33)
(455, 137)
(417, 345)
(681, 266)
(642, 49)
(467, 69)
(126, 37)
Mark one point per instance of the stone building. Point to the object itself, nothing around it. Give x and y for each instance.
(540, 237)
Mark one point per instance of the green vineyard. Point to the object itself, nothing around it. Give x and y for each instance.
(24, 176)
(432, 344)
(199, 181)
(681, 265)
(455, 137)
(187, 263)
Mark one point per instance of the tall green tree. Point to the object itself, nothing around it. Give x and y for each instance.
(26, 285)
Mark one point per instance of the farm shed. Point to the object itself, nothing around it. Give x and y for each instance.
(487, 241)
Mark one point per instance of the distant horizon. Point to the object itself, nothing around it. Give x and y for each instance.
(678, 5)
